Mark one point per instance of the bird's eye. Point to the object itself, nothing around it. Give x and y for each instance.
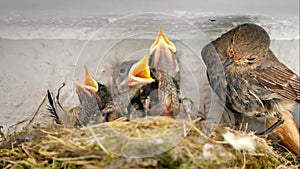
(103, 89)
(122, 70)
(141, 91)
(252, 58)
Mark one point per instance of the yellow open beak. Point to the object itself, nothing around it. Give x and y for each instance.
(162, 39)
(89, 82)
(140, 72)
(81, 89)
(162, 44)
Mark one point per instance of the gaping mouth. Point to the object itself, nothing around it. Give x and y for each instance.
(162, 45)
(138, 74)
(89, 82)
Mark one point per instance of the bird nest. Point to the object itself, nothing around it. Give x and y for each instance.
(53, 146)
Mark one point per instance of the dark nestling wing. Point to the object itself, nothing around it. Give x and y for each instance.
(280, 79)
(52, 107)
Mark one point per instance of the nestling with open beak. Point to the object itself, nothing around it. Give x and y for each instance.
(163, 56)
(154, 80)
(90, 100)
(96, 102)
(129, 82)
(165, 70)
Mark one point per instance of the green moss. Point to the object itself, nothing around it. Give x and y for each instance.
(205, 164)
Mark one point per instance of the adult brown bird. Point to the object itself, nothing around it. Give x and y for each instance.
(252, 81)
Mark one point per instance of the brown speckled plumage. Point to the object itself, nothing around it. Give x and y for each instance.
(245, 73)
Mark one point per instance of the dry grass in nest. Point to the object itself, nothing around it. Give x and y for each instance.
(53, 146)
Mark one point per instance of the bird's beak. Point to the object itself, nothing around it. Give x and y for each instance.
(139, 74)
(81, 90)
(240, 62)
(90, 104)
(162, 46)
(89, 82)
(89, 85)
(228, 62)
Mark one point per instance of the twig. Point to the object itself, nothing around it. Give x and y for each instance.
(189, 153)
(184, 130)
(50, 133)
(205, 136)
(36, 112)
(77, 158)
(244, 163)
(29, 155)
(58, 92)
(98, 142)
(16, 124)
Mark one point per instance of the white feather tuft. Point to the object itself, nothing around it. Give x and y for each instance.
(240, 142)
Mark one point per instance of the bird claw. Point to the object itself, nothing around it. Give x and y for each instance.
(271, 128)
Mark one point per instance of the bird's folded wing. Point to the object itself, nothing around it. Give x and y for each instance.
(280, 79)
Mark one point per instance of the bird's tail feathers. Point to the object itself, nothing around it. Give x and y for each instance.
(288, 132)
